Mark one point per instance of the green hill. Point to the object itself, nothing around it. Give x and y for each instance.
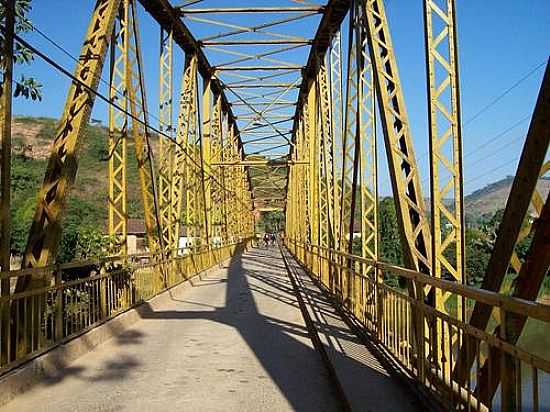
(87, 201)
(87, 206)
(487, 200)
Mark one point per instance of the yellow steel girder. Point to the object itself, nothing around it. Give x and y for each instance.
(141, 132)
(45, 231)
(404, 173)
(445, 145)
(166, 145)
(118, 136)
(186, 131)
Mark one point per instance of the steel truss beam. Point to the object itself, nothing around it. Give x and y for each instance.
(531, 166)
(445, 143)
(252, 42)
(259, 28)
(404, 174)
(446, 163)
(337, 126)
(270, 163)
(45, 231)
(141, 134)
(186, 134)
(368, 165)
(166, 145)
(257, 68)
(205, 141)
(358, 188)
(240, 10)
(352, 134)
(118, 136)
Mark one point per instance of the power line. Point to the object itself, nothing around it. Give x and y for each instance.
(497, 99)
(492, 139)
(500, 149)
(64, 71)
(500, 134)
(479, 176)
(503, 94)
(101, 79)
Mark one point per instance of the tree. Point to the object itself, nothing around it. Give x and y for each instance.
(22, 216)
(479, 244)
(477, 248)
(271, 221)
(81, 236)
(390, 239)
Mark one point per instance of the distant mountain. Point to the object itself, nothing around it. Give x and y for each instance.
(494, 196)
(487, 200)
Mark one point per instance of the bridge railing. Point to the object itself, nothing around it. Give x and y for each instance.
(427, 344)
(81, 295)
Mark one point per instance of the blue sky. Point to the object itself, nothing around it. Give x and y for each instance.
(499, 43)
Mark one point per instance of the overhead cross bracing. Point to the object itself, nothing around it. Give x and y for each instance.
(258, 52)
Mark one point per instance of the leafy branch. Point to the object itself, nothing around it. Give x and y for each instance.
(28, 87)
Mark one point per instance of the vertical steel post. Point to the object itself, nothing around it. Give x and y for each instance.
(5, 178)
(118, 135)
(141, 134)
(45, 231)
(166, 145)
(186, 133)
(350, 149)
(205, 153)
(337, 125)
(445, 159)
(405, 178)
(312, 137)
(368, 165)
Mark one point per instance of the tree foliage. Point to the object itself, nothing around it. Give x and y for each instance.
(82, 226)
(389, 237)
(25, 86)
(82, 232)
(271, 221)
(479, 241)
(477, 248)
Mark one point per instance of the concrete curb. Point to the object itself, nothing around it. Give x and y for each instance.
(314, 335)
(49, 364)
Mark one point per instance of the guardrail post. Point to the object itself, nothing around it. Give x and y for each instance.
(133, 283)
(321, 255)
(5, 332)
(103, 304)
(420, 333)
(507, 370)
(379, 278)
(58, 331)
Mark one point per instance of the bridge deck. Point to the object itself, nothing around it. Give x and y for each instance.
(236, 340)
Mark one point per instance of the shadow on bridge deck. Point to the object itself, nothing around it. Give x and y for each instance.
(235, 340)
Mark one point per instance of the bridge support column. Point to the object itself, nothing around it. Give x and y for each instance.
(5, 178)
